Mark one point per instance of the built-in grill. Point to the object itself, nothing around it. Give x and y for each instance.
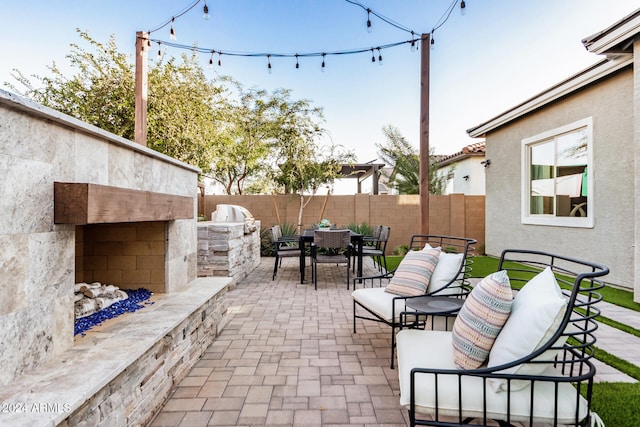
(234, 213)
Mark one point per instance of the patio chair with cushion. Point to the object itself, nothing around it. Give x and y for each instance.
(435, 266)
(283, 247)
(523, 360)
(330, 247)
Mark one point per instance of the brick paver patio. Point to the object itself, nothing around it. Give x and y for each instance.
(288, 356)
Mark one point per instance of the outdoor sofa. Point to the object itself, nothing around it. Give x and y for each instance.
(538, 371)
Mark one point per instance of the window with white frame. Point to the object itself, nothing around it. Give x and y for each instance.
(557, 176)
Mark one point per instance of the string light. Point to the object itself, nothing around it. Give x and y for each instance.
(433, 40)
(172, 32)
(463, 10)
(159, 52)
(379, 16)
(413, 45)
(205, 11)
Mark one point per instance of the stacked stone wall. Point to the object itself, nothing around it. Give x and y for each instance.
(227, 250)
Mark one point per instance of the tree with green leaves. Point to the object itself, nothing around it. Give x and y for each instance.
(234, 135)
(302, 164)
(183, 105)
(404, 160)
(255, 124)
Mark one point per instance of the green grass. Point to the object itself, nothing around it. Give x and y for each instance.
(616, 403)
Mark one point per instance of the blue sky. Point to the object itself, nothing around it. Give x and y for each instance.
(496, 56)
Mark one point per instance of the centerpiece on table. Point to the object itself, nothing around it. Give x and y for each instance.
(325, 223)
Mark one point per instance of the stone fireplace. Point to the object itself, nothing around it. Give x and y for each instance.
(78, 204)
(128, 255)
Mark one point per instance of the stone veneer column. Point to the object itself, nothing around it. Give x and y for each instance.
(40, 146)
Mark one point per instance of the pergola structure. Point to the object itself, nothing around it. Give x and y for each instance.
(361, 172)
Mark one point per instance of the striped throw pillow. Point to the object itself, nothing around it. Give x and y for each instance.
(481, 318)
(413, 273)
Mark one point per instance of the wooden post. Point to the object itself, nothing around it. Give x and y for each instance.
(424, 133)
(142, 50)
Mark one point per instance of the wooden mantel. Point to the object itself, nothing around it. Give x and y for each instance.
(83, 203)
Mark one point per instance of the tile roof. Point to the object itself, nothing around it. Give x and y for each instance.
(475, 149)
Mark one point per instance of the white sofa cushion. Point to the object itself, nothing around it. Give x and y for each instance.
(540, 306)
(418, 348)
(379, 302)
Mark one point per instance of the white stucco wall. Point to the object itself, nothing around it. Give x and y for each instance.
(471, 167)
(611, 241)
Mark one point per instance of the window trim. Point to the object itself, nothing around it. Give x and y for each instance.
(552, 220)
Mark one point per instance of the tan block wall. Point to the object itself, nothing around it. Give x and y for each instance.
(451, 215)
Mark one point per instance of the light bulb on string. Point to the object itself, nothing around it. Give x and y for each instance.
(297, 63)
(413, 41)
(211, 59)
(373, 57)
(379, 57)
(433, 41)
(369, 28)
(172, 32)
(269, 64)
(205, 11)
(159, 52)
(463, 8)
(323, 64)
(219, 60)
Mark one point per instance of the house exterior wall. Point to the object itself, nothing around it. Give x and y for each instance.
(636, 156)
(612, 239)
(471, 167)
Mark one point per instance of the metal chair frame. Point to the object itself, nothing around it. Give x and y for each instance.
(283, 247)
(580, 284)
(378, 250)
(457, 287)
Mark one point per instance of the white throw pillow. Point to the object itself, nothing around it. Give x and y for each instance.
(447, 267)
(446, 270)
(536, 313)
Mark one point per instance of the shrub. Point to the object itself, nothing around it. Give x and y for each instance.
(362, 228)
(401, 250)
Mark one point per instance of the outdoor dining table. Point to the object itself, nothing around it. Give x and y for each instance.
(306, 238)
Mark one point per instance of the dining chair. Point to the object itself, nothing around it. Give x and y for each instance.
(283, 247)
(330, 247)
(379, 248)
